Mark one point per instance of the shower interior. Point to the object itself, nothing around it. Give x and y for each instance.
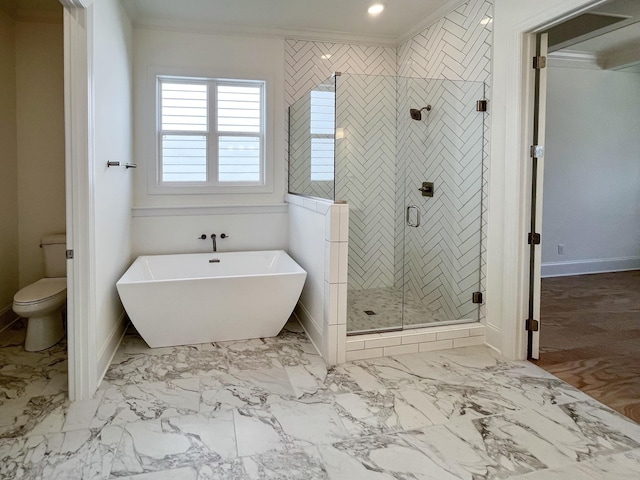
(415, 249)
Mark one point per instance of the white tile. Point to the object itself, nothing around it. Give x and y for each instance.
(368, 336)
(323, 207)
(331, 303)
(418, 338)
(439, 345)
(342, 303)
(355, 345)
(364, 354)
(467, 342)
(394, 334)
(332, 262)
(400, 350)
(343, 266)
(309, 204)
(331, 343)
(475, 330)
(344, 223)
(383, 342)
(453, 334)
(341, 348)
(334, 223)
(295, 200)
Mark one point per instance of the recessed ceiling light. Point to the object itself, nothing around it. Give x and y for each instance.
(376, 9)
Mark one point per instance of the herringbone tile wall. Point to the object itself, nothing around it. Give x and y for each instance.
(309, 63)
(441, 260)
(365, 175)
(457, 47)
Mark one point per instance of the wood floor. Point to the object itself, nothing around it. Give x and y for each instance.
(590, 336)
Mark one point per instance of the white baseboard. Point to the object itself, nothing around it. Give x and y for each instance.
(7, 317)
(584, 267)
(109, 349)
(310, 327)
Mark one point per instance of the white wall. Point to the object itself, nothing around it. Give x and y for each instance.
(187, 54)
(112, 56)
(40, 141)
(8, 167)
(592, 171)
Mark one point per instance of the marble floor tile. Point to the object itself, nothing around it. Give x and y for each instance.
(76, 455)
(303, 464)
(383, 457)
(165, 444)
(172, 363)
(37, 415)
(242, 388)
(259, 354)
(122, 404)
(287, 425)
(373, 413)
(271, 409)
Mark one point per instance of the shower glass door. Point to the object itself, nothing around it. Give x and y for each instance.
(442, 234)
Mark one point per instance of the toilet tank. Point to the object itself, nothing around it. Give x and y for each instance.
(55, 255)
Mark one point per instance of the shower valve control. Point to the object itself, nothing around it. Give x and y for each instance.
(427, 189)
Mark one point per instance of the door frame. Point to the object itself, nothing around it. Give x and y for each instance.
(80, 205)
(514, 30)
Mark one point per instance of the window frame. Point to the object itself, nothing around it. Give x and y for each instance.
(156, 185)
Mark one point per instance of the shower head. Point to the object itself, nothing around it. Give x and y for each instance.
(416, 113)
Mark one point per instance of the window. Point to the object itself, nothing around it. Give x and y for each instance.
(322, 135)
(211, 132)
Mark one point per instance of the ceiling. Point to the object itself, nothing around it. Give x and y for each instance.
(324, 18)
(615, 46)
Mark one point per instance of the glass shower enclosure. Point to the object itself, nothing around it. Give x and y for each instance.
(406, 154)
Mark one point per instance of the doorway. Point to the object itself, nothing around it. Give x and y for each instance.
(590, 250)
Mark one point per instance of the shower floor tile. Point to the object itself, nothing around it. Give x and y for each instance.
(271, 409)
(381, 308)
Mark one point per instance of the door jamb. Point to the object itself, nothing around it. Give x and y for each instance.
(78, 93)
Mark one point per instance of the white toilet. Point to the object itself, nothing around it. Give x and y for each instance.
(42, 302)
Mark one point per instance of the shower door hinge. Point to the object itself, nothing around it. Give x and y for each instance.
(477, 297)
(69, 254)
(539, 62)
(481, 106)
(536, 151)
(534, 238)
(532, 325)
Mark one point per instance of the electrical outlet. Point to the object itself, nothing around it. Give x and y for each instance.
(560, 249)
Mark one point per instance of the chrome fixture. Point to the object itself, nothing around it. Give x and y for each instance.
(416, 113)
(427, 189)
(409, 222)
(213, 239)
(125, 165)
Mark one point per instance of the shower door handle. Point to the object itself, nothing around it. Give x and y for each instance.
(417, 224)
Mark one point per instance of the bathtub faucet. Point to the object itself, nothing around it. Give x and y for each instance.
(213, 238)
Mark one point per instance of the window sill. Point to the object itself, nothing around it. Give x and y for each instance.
(208, 210)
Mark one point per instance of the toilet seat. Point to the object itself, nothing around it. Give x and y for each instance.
(44, 290)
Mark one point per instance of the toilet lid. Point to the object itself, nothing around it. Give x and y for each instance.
(42, 290)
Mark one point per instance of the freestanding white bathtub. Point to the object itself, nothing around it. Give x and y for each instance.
(184, 299)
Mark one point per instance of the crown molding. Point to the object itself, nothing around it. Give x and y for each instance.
(574, 59)
(249, 31)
